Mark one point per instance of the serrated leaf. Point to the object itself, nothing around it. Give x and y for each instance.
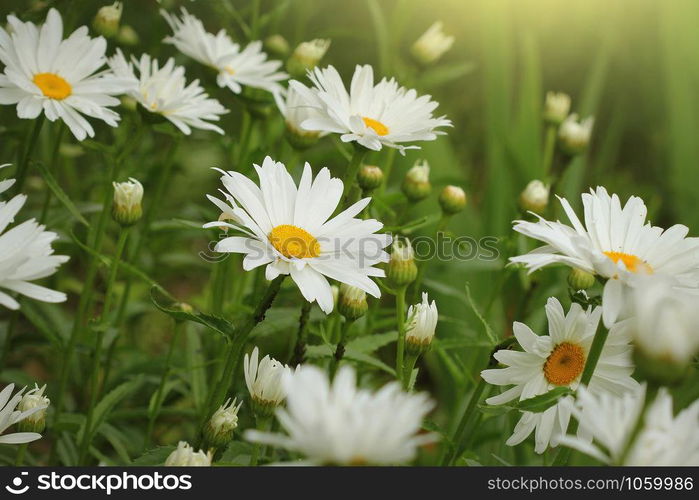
(170, 307)
(109, 401)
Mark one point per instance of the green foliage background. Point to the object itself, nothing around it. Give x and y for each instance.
(633, 64)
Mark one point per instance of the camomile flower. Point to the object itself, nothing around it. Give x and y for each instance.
(291, 231)
(44, 73)
(664, 439)
(616, 243)
(373, 115)
(185, 456)
(165, 92)
(10, 415)
(25, 255)
(558, 360)
(340, 424)
(236, 68)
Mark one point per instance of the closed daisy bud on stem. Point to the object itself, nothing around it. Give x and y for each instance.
(277, 46)
(352, 302)
(306, 56)
(128, 36)
(574, 135)
(416, 184)
(556, 107)
(535, 197)
(420, 326)
(580, 280)
(106, 21)
(431, 45)
(401, 268)
(369, 178)
(35, 401)
(219, 429)
(452, 199)
(263, 379)
(126, 209)
(185, 456)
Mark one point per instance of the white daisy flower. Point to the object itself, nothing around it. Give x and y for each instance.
(264, 379)
(9, 415)
(374, 116)
(25, 255)
(295, 111)
(235, 68)
(341, 424)
(45, 73)
(664, 440)
(615, 243)
(164, 91)
(558, 360)
(291, 230)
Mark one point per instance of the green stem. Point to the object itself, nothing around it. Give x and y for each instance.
(19, 457)
(244, 144)
(400, 323)
(410, 360)
(651, 392)
(53, 166)
(340, 348)
(9, 333)
(29, 148)
(422, 268)
(86, 297)
(465, 419)
(95, 385)
(263, 424)
(158, 401)
(388, 166)
(351, 172)
(549, 148)
(300, 346)
(235, 348)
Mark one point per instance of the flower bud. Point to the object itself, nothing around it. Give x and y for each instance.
(663, 324)
(306, 56)
(128, 36)
(580, 280)
(574, 136)
(185, 456)
(277, 46)
(35, 422)
(416, 184)
(106, 21)
(535, 197)
(126, 209)
(352, 302)
(219, 429)
(556, 107)
(369, 178)
(335, 290)
(452, 199)
(420, 326)
(431, 45)
(401, 267)
(264, 382)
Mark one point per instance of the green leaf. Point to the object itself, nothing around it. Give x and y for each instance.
(477, 312)
(543, 402)
(118, 441)
(59, 193)
(108, 402)
(172, 308)
(371, 343)
(154, 456)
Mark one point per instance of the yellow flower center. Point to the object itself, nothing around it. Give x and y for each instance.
(294, 242)
(53, 85)
(631, 262)
(229, 70)
(378, 127)
(564, 364)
